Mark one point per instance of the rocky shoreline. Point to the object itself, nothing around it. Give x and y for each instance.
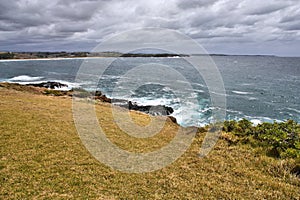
(53, 88)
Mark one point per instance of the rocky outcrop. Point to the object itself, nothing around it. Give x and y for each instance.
(153, 110)
(48, 85)
(97, 95)
(173, 119)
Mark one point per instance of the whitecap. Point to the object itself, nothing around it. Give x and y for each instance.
(152, 102)
(105, 76)
(252, 98)
(293, 109)
(234, 111)
(241, 92)
(246, 84)
(199, 84)
(196, 90)
(255, 122)
(70, 85)
(167, 89)
(25, 78)
(36, 80)
(262, 119)
(219, 94)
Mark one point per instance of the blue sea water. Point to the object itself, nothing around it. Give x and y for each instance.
(259, 88)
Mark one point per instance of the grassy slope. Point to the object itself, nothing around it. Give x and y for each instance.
(41, 156)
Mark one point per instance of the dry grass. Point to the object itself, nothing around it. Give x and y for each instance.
(42, 157)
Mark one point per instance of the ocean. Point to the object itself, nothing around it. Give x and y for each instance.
(258, 88)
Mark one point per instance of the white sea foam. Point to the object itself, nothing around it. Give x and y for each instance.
(293, 109)
(220, 94)
(167, 89)
(241, 92)
(256, 121)
(259, 120)
(26, 78)
(199, 84)
(112, 77)
(246, 84)
(152, 102)
(234, 111)
(187, 114)
(69, 84)
(195, 90)
(252, 98)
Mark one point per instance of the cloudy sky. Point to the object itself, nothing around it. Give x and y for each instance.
(221, 26)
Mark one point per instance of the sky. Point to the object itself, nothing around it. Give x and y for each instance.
(270, 27)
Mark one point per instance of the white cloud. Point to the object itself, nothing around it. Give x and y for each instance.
(78, 24)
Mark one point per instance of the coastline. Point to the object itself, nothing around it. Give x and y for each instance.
(53, 89)
(42, 156)
(43, 59)
(250, 93)
(76, 55)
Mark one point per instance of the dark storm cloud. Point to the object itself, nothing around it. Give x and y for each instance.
(195, 3)
(70, 24)
(265, 8)
(292, 26)
(76, 10)
(71, 27)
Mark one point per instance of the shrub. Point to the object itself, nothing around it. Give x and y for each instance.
(281, 139)
(229, 126)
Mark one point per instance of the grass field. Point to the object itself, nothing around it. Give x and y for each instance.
(42, 157)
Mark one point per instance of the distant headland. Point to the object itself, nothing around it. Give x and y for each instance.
(63, 54)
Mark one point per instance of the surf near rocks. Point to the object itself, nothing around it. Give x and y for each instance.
(98, 95)
(149, 109)
(49, 85)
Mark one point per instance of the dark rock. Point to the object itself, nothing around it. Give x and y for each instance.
(48, 85)
(103, 98)
(201, 130)
(98, 93)
(296, 171)
(153, 110)
(173, 119)
(99, 96)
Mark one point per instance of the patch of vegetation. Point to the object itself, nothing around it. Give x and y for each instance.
(280, 139)
(54, 92)
(19, 87)
(6, 55)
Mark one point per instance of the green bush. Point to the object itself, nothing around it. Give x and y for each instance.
(282, 139)
(229, 126)
(241, 128)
